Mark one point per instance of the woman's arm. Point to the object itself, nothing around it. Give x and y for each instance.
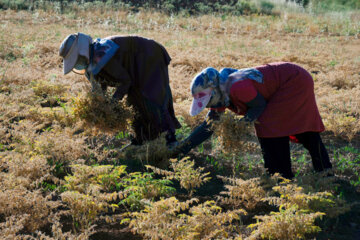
(244, 92)
(255, 108)
(118, 77)
(199, 135)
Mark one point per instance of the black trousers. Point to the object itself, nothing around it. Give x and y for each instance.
(276, 153)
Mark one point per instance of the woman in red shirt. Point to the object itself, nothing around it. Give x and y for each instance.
(279, 96)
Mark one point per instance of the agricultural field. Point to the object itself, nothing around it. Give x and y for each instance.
(62, 176)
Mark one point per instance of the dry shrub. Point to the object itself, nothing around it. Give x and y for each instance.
(343, 125)
(44, 56)
(311, 194)
(234, 136)
(184, 172)
(5, 136)
(24, 171)
(100, 112)
(215, 224)
(12, 226)
(160, 220)
(16, 202)
(242, 193)
(58, 234)
(60, 145)
(53, 147)
(164, 220)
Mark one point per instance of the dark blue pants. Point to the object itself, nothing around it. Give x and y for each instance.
(276, 153)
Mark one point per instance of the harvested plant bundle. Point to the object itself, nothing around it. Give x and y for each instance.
(234, 135)
(154, 152)
(99, 111)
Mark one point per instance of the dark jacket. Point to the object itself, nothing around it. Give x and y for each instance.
(139, 69)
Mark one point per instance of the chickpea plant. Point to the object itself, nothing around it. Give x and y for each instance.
(184, 172)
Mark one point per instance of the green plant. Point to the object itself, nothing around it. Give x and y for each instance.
(142, 186)
(266, 7)
(347, 160)
(184, 172)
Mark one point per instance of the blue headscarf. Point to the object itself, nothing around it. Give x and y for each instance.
(102, 51)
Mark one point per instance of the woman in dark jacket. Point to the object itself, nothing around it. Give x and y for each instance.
(278, 97)
(135, 66)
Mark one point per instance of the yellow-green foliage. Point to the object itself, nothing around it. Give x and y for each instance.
(88, 195)
(166, 219)
(84, 208)
(105, 177)
(321, 191)
(242, 193)
(97, 110)
(290, 223)
(297, 213)
(142, 187)
(93, 189)
(292, 194)
(234, 136)
(184, 172)
(214, 224)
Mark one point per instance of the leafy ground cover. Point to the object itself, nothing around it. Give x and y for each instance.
(63, 177)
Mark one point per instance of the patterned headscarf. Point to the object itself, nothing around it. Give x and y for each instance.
(208, 90)
(211, 88)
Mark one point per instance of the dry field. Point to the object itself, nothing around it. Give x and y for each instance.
(61, 177)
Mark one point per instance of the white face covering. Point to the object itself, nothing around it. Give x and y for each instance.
(210, 78)
(217, 99)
